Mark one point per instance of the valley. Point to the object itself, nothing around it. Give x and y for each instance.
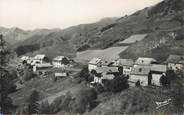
(117, 65)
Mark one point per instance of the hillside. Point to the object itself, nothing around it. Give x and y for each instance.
(13, 35)
(135, 100)
(158, 21)
(165, 20)
(66, 41)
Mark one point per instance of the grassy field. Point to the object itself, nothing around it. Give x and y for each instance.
(133, 39)
(47, 88)
(132, 100)
(107, 54)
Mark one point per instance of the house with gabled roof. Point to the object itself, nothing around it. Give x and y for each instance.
(140, 73)
(157, 70)
(127, 65)
(39, 59)
(175, 62)
(145, 61)
(105, 73)
(60, 61)
(94, 64)
(28, 59)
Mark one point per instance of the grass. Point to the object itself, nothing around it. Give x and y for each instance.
(107, 54)
(133, 39)
(46, 87)
(134, 100)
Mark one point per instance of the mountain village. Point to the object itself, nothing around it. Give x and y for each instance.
(120, 65)
(145, 71)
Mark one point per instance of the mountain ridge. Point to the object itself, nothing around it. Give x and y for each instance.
(164, 18)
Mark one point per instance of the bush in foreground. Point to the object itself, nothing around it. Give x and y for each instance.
(81, 102)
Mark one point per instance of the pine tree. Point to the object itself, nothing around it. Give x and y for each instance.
(6, 105)
(4, 52)
(33, 106)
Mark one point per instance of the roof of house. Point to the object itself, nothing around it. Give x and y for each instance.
(175, 59)
(95, 61)
(107, 70)
(105, 63)
(60, 74)
(59, 58)
(124, 62)
(39, 56)
(44, 65)
(140, 70)
(144, 61)
(158, 68)
(25, 57)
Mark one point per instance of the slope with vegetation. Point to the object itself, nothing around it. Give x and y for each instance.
(158, 21)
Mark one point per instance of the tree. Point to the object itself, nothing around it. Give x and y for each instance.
(117, 84)
(177, 93)
(84, 74)
(149, 78)
(4, 52)
(163, 80)
(31, 106)
(28, 74)
(138, 83)
(45, 108)
(32, 101)
(6, 105)
(170, 76)
(65, 61)
(84, 101)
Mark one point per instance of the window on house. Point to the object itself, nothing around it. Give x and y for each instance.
(140, 69)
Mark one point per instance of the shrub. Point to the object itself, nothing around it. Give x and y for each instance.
(61, 103)
(83, 48)
(116, 85)
(84, 74)
(45, 108)
(28, 74)
(26, 48)
(83, 101)
(99, 88)
(65, 61)
(177, 92)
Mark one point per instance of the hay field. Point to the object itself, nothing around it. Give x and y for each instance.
(106, 54)
(133, 39)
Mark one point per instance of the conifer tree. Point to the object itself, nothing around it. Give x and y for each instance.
(33, 106)
(6, 105)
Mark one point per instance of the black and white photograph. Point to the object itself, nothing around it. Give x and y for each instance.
(92, 57)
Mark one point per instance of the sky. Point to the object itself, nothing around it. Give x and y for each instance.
(34, 14)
